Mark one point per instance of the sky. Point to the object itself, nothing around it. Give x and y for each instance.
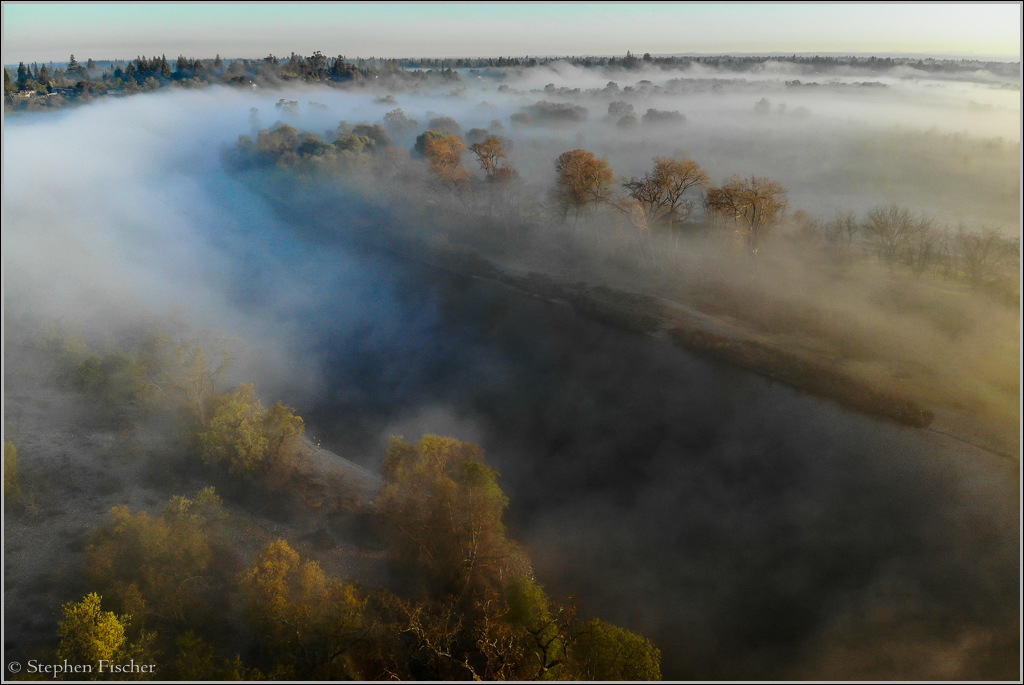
(46, 32)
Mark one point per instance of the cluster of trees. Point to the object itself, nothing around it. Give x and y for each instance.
(172, 588)
(742, 63)
(231, 432)
(463, 603)
(371, 147)
(77, 81)
(898, 237)
(665, 196)
(663, 199)
(54, 86)
(63, 84)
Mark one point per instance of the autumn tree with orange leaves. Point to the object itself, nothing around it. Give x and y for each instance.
(444, 155)
(662, 191)
(583, 180)
(490, 154)
(753, 204)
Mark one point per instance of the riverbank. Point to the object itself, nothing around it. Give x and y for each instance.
(728, 340)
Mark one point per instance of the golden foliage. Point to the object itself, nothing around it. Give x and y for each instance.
(246, 437)
(753, 203)
(444, 155)
(583, 179)
(306, 620)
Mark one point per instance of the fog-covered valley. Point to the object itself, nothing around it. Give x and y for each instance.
(751, 529)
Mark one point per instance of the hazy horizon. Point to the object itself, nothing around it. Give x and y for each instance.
(50, 32)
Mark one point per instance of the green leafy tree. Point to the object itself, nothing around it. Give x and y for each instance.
(245, 437)
(397, 121)
(354, 144)
(76, 71)
(480, 615)
(88, 634)
(447, 507)
(196, 659)
(445, 125)
(9, 86)
(602, 651)
(278, 145)
(117, 384)
(45, 78)
(306, 621)
(164, 68)
(376, 133)
(161, 569)
(182, 375)
(24, 76)
(18, 496)
(420, 148)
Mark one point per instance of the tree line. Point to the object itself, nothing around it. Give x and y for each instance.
(665, 200)
(37, 86)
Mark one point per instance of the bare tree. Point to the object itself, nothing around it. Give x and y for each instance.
(891, 230)
(842, 229)
(925, 247)
(980, 255)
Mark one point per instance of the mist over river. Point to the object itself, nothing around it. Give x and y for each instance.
(752, 531)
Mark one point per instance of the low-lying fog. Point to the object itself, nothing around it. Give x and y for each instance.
(751, 531)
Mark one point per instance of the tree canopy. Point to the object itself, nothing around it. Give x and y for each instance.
(582, 180)
(245, 437)
(662, 191)
(752, 203)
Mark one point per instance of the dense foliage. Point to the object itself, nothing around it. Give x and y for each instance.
(462, 604)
